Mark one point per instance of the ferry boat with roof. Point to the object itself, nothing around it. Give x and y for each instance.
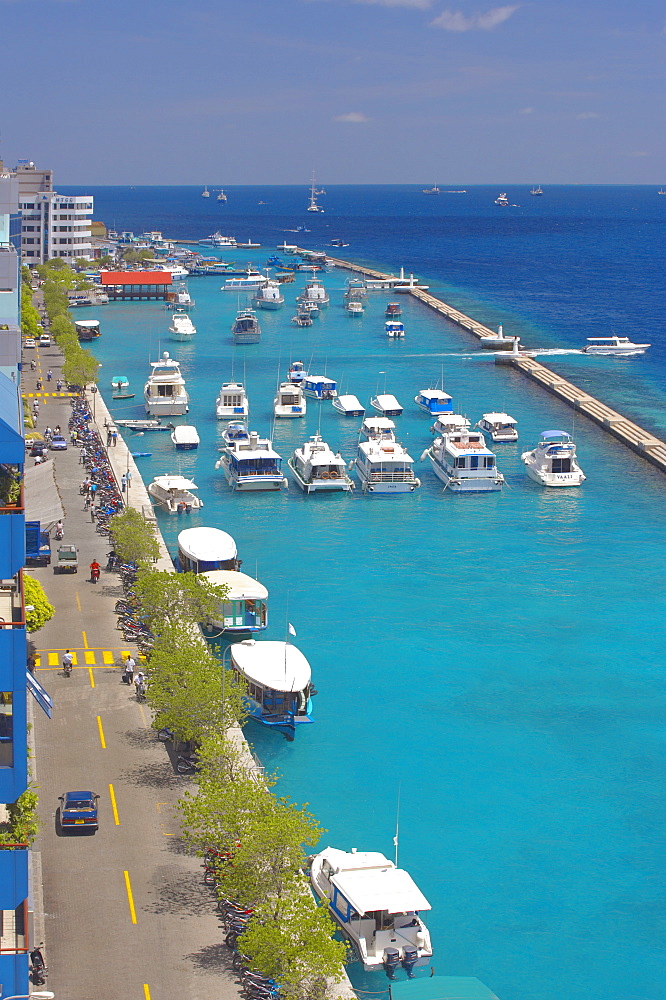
(249, 282)
(246, 329)
(216, 239)
(377, 907)
(249, 462)
(464, 463)
(203, 549)
(316, 467)
(181, 326)
(553, 462)
(232, 401)
(269, 296)
(501, 427)
(289, 401)
(278, 680)
(449, 423)
(320, 387)
(395, 329)
(384, 466)
(349, 405)
(613, 345)
(174, 494)
(386, 404)
(185, 437)
(244, 608)
(434, 401)
(393, 310)
(164, 392)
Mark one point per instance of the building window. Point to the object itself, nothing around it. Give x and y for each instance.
(6, 729)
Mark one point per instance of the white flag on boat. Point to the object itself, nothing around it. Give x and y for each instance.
(292, 630)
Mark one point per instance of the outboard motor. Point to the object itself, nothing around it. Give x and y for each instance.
(410, 957)
(391, 961)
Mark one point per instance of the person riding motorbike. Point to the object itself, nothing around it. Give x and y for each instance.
(95, 570)
(59, 531)
(67, 662)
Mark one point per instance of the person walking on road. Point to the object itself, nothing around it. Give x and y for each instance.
(130, 664)
(49, 375)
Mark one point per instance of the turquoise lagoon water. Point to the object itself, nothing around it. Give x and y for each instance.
(495, 660)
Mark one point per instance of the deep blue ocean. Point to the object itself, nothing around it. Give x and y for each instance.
(497, 660)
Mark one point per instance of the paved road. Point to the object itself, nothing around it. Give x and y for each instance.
(126, 914)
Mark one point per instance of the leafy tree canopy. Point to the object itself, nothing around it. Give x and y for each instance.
(169, 597)
(134, 538)
(35, 597)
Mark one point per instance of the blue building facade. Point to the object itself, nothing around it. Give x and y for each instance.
(14, 938)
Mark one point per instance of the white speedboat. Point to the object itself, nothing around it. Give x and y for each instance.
(185, 437)
(449, 423)
(289, 401)
(386, 404)
(434, 401)
(553, 462)
(244, 608)
(174, 494)
(384, 466)
(278, 680)
(251, 281)
(354, 307)
(205, 193)
(269, 296)
(204, 549)
(499, 342)
(502, 199)
(349, 405)
(249, 463)
(221, 196)
(316, 467)
(296, 372)
(320, 387)
(394, 328)
(232, 402)
(464, 463)
(376, 906)
(181, 327)
(246, 329)
(614, 346)
(500, 426)
(164, 392)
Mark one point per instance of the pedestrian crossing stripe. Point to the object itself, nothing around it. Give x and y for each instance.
(46, 659)
(43, 395)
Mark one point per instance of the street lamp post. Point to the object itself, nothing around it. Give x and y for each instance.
(93, 389)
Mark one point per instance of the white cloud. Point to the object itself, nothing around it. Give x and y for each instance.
(352, 116)
(418, 4)
(455, 20)
(639, 152)
(526, 111)
(584, 115)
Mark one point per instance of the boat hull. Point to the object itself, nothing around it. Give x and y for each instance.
(166, 409)
(184, 338)
(465, 485)
(554, 479)
(253, 484)
(342, 483)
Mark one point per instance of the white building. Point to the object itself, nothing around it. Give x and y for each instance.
(53, 225)
(10, 281)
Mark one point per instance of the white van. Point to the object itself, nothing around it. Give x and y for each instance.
(45, 340)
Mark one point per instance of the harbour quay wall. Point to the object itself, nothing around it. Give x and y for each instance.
(632, 435)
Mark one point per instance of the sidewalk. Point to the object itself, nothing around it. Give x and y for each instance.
(126, 913)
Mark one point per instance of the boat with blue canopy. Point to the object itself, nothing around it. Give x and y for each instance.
(434, 401)
(278, 682)
(320, 387)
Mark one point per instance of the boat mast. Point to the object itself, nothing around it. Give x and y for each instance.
(397, 827)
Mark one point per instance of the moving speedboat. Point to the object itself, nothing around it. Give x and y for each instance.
(174, 494)
(317, 467)
(376, 906)
(181, 326)
(249, 462)
(243, 609)
(246, 329)
(204, 549)
(164, 392)
(278, 682)
(613, 346)
(232, 401)
(290, 401)
(502, 199)
(386, 404)
(185, 437)
(349, 405)
(553, 461)
(464, 463)
(500, 426)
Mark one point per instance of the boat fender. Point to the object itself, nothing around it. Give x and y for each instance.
(285, 483)
(417, 482)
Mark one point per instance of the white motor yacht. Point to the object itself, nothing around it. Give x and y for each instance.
(180, 299)
(384, 466)
(251, 281)
(181, 327)
(553, 461)
(185, 437)
(354, 307)
(464, 463)
(613, 346)
(376, 906)
(395, 329)
(289, 401)
(502, 199)
(316, 467)
(249, 463)
(164, 392)
(269, 296)
(174, 494)
(386, 404)
(500, 426)
(246, 329)
(302, 318)
(218, 240)
(203, 549)
(315, 292)
(349, 405)
(449, 423)
(232, 402)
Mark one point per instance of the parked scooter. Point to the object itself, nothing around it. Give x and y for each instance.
(38, 970)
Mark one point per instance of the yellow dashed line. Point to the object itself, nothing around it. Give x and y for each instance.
(113, 805)
(130, 898)
(101, 733)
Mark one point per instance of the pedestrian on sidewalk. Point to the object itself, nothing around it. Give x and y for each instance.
(114, 435)
(123, 483)
(31, 662)
(130, 664)
(93, 491)
(109, 438)
(74, 435)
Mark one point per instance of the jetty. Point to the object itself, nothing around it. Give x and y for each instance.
(630, 434)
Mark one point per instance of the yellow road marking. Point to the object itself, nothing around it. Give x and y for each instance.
(146, 992)
(53, 659)
(38, 661)
(85, 640)
(107, 657)
(92, 679)
(90, 656)
(101, 733)
(143, 715)
(130, 898)
(113, 805)
(78, 601)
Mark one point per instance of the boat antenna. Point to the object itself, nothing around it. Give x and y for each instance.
(397, 826)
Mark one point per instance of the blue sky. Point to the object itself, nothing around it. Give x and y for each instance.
(368, 91)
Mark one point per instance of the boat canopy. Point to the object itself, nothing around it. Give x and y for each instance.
(87, 324)
(320, 380)
(375, 889)
(548, 435)
(386, 401)
(175, 483)
(500, 418)
(275, 665)
(441, 988)
(207, 545)
(241, 586)
(186, 434)
(374, 424)
(119, 380)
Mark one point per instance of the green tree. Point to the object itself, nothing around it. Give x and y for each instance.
(134, 538)
(22, 824)
(80, 367)
(170, 597)
(61, 326)
(42, 609)
(137, 256)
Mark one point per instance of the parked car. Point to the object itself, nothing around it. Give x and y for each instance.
(45, 340)
(29, 342)
(78, 810)
(58, 443)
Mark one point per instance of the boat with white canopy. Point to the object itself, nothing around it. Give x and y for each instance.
(553, 462)
(386, 404)
(376, 905)
(87, 329)
(201, 550)
(244, 609)
(174, 494)
(232, 401)
(279, 683)
(320, 387)
(164, 392)
(394, 328)
(349, 405)
(185, 437)
(316, 467)
(500, 426)
(384, 466)
(269, 296)
(449, 423)
(289, 401)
